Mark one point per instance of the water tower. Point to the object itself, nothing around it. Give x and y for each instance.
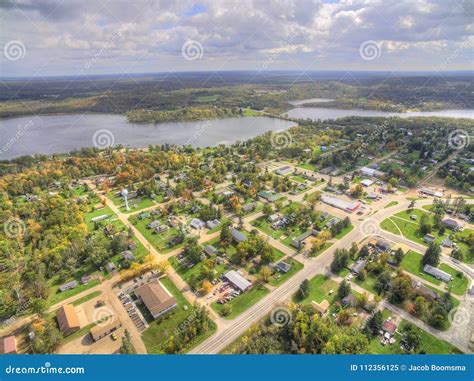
(124, 194)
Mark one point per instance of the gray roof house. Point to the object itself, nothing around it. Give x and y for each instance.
(237, 280)
(127, 254)
(437, 273)
(358, 266)
(238, 236)
(68, 286)
(196, 223)
(283, 266)
(452, 224)
(210, 250)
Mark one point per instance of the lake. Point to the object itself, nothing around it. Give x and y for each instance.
(49, 134)
(323, 113)
(310, 100)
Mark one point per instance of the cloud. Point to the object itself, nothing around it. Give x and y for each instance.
(147, 35)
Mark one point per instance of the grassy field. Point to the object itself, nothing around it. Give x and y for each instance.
(195, 271)
(308, 167)
(243, 301)
(344, 231)
(135, 206)
(458, 285)
(429, 343)
(412, 263)
(57, 297)
(262, 224)
(86, 298)
(280, 278)
(157, 334)
(320, 286)
(390, 204)
(95, 213)
(390, 226)
(160, 240)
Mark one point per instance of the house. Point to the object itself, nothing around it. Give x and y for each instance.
(389, 328)
(370, 172)
(227, 193)
(210, 250)
(9, 345)
(68, 321)
(340, 204)
(424, 291)
(372, 196)
(132, 245)
(237, 280)
(100, 218)
(128, 255)
(144, 215)
(154, 224)
(212, 224)
(452, 224)
(366, 182)
(68, 286)
(110, 267)
(249, 207)
(197, 224)
(298, 242)
(320, 308)
(382, 245)
(157, 299)
(238, 236)
(86, 279)
(268, 196)
(283, 266)
(331, 222)
(273, 217)
(100, 330)
(447, 243)
(283, 171)
(429, 238)
(358, 266)
(437, 273)
(349, 301)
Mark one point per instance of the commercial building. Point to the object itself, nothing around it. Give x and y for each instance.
(99, 331)
(282, 171)
(366, 171)
(68, 321)
(157, 299)
(238, 280)
(340, 204)
(431, 192)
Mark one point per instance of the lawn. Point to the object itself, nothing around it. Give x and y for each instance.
(195, 271)
(390, 226)
(243, 301)
(412, 263)
(57, 297)
(86, 298)
(95, 213)
(279, 278)
(262, 224)
(158, 240)
(157, 334)
(344, 231)
(250, 112)
(390, 204)
(308, 166)
(458, 285)
(320, 286)
(144, 202)
(429, 343)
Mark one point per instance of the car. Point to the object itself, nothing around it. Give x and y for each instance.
(113, 336)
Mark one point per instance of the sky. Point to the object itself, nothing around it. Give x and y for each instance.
(42, 38)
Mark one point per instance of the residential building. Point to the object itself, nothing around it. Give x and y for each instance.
(451, 224)
(99, 331)
(320, 308)
(68, 286)
(283, 266)
(197, 224)
(437, 273)
(283, 171)
(9, 345)
(370, 172)
(238, 236)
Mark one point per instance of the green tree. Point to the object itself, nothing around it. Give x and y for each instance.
(344, 289)
(432, 255)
